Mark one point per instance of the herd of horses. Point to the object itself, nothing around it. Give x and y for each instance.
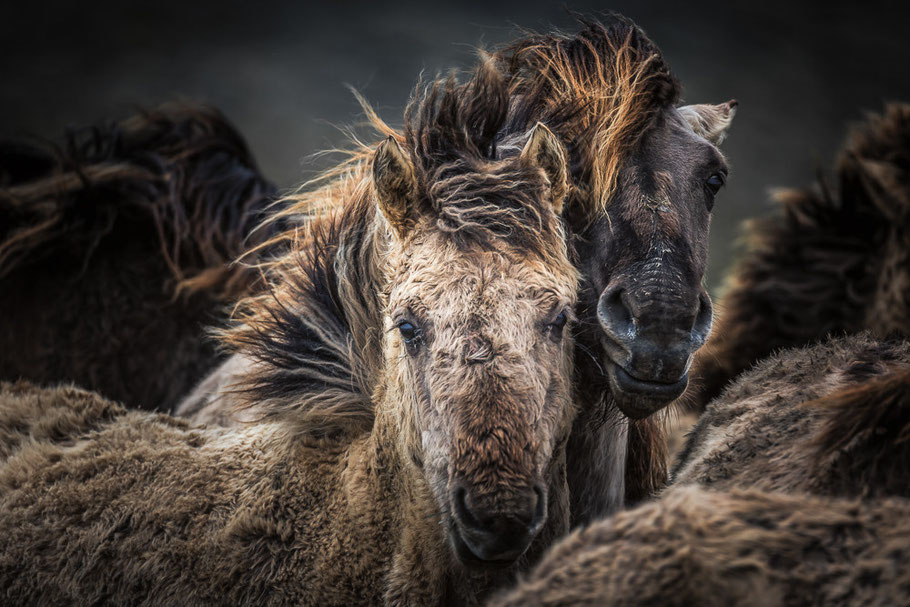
(440, 373)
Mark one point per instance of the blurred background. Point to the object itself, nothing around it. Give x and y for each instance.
(801, 72)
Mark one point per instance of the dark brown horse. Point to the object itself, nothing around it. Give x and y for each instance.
(646, 173)
(115, 252)
(833, 261)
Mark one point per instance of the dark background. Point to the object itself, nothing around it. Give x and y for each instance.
(278, 69)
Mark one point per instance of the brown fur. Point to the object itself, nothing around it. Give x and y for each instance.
(334, 501)
(831, 419)
(695, 547)
(115, 252)
(830, 262)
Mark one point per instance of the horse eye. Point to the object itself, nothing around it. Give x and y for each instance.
(714, 183)
(558, 324)
(408, 331)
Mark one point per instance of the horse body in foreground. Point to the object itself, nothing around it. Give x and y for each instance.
(792, 490)
(449, 480)
(747, 548)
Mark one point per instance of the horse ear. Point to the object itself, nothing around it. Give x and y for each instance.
(395, 183)
(710, 121)
(545, 151)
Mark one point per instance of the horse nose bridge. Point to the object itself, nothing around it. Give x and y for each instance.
(477, 349)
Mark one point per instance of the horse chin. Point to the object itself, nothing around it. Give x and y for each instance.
(468, 559)
(638, 398)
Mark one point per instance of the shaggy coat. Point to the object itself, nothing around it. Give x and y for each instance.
(746, 548)
(832, 261)
(338, 501)
(115, 252)
(831, 419)
(601, 91)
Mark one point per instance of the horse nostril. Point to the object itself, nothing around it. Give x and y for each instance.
(540, 509)
(703, 319)
(614, 314)
(462, 512)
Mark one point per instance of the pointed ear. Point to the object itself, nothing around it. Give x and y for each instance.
(544, 150)
(395, 183)
(710, 121)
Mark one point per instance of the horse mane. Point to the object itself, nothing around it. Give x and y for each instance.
(823, 265)
(183, 165)
(315, 332)
(600, 90)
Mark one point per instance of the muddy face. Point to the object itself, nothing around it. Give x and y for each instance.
(480, 297)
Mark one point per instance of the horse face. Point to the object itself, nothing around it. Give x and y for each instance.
(481, 293)
(646, 256)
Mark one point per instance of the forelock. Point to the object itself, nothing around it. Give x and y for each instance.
(600, 90)
(475, 196)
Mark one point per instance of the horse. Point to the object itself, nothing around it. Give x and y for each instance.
(749, 548)
(437, 490)
(116, 251)
(830, 263)
(644, 174)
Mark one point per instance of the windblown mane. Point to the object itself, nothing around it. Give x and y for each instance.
(185, 166)
(314, 336)
(600, 90)
(830, 262)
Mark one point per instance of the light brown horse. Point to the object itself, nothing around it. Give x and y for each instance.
(434, 491)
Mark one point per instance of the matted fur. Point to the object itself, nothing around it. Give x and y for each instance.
(831, 419)
(116, 251)
(830, 262)
(748, 548)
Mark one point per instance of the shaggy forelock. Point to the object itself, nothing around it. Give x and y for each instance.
(600, 90)
(472, 192)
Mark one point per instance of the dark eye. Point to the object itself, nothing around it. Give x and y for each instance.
(714, 183)
(558, 324)
(410, 334)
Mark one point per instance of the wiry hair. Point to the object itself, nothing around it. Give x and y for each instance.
(600, 90)
(829, 263)
(315, 333)
(185, 166)
(863, 440)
